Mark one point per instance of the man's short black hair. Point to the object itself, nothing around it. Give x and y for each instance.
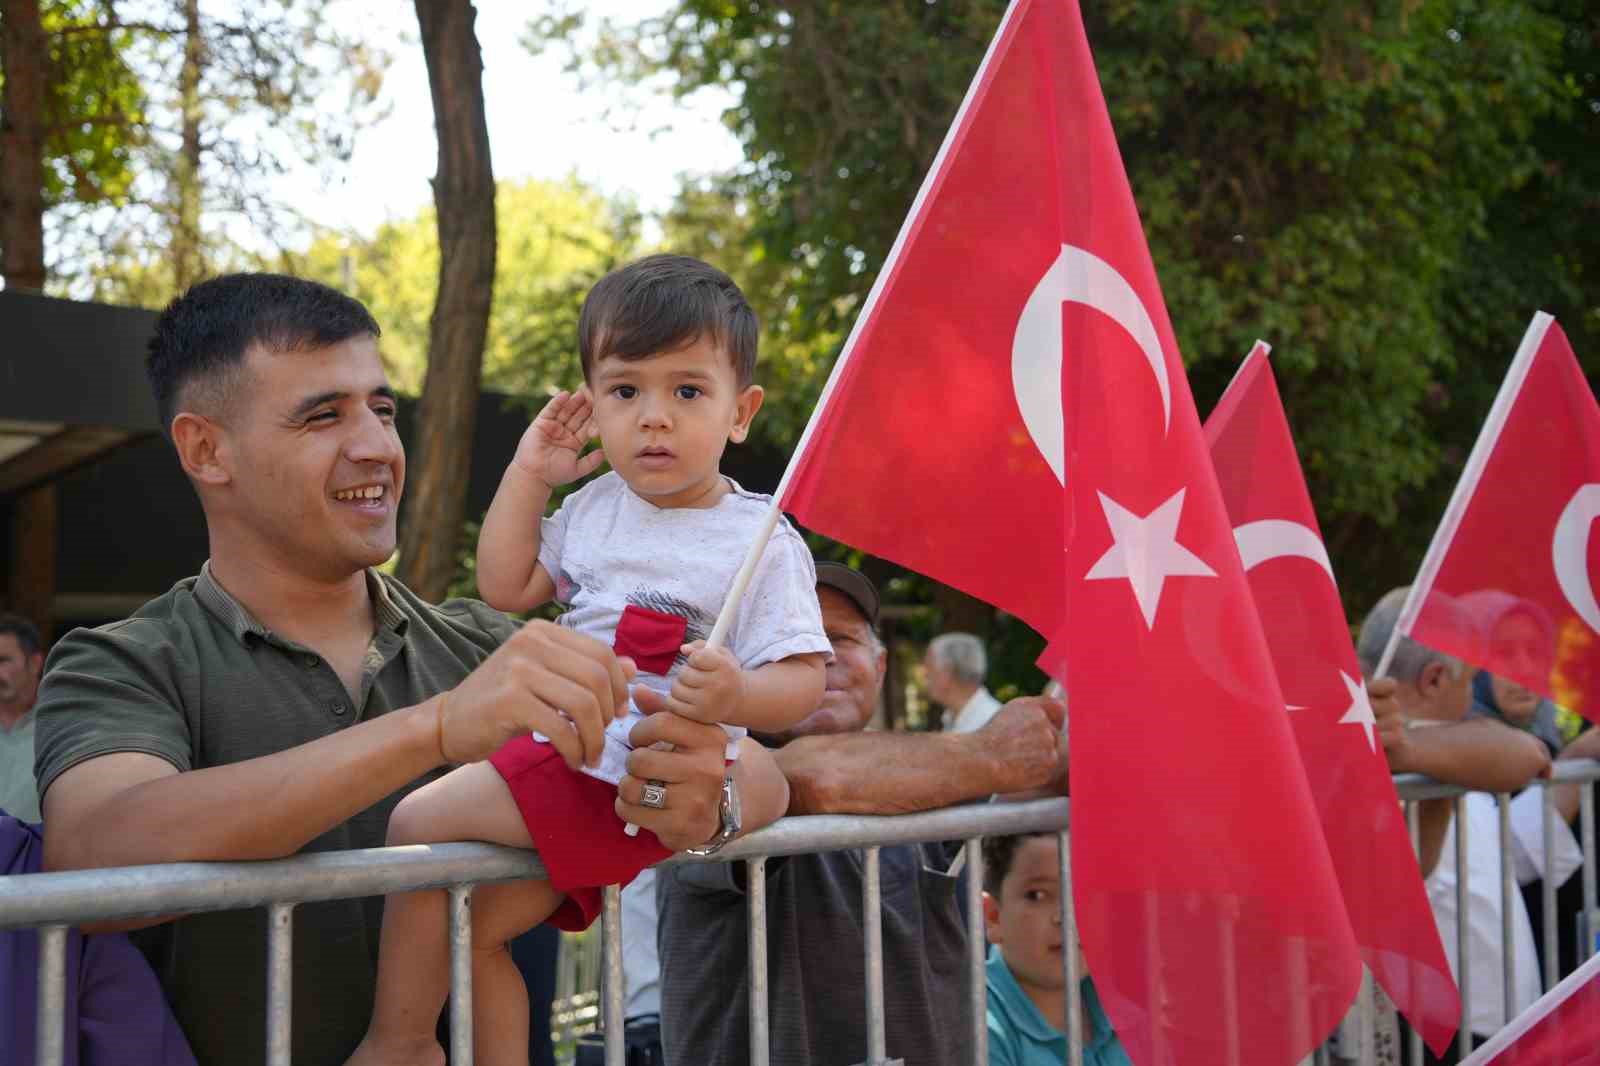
(26, 633)
(662, 303)
(202, 336)
(998, 855)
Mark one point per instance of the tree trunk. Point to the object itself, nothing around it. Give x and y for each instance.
(188, 261)
(24, 57)
(463, 194)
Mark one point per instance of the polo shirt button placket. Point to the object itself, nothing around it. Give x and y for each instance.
(338, 709)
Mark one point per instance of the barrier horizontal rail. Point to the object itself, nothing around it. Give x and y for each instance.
(133, 892)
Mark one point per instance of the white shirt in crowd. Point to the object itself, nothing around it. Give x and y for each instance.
(1486, 987)
(976, 712)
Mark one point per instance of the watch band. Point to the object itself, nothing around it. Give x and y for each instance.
(729, 814)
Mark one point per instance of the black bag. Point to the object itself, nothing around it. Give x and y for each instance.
(641, 1037)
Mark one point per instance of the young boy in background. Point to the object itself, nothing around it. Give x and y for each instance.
(1026, 979)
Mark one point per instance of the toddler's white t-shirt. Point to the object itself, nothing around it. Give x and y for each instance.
(620, 562)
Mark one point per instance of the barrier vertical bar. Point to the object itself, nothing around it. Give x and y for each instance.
(50, 1039)
(872, 924)
(461, 975)
(1547, 889)
(1414, 825)
(1586, 827)
(1463, 932)
(612, 1010)
(1508, 886)
(280, 982)
(756, 897)
(1069, 955)
(979, 990)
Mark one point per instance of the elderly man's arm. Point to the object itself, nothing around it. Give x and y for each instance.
(1478, 753)
(897, 773)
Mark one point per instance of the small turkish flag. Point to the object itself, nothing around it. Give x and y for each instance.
(1293, 585)
(1506, 582)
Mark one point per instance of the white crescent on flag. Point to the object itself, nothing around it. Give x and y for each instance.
(1274, 538)
(1078, 276)
(1569, 551)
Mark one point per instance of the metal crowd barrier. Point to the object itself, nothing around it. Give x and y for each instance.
(54, 901)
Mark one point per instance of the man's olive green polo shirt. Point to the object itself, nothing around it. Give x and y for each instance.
(194, 679)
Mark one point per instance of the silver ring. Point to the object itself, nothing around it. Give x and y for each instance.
(653, 794)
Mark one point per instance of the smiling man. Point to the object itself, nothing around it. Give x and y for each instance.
(289, 695)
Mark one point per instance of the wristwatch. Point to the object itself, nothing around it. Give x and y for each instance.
(728, 812)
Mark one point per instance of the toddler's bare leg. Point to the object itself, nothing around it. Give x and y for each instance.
(469, 803)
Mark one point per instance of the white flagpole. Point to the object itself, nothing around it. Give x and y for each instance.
(1541, 1009)
(1488, 437)
(730, 606)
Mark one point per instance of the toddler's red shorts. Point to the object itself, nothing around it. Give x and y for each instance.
(575, 828)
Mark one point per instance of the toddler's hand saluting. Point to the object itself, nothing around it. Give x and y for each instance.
(551, 449)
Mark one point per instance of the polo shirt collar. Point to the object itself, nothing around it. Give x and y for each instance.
(1019, 1007)
(237, 617)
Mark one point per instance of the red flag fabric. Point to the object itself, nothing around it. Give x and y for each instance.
(1020, 291)
(1562, 1028)
(1507, 582)
(1292, 580)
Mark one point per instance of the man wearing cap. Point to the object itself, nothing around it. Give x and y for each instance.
(815, 972)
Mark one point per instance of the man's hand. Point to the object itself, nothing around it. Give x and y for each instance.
(545, 679)
(710, 687)
(1391, 723)
(551, 449)
(1026, 741)
(692, 770)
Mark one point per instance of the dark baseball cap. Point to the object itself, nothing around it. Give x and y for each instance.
(854, 585)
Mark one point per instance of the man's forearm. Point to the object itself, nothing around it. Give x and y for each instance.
(1479, 754)
(888, 773)
(763, 790)
(257, 809)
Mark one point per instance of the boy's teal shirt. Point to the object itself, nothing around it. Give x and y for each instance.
(1019, 1035)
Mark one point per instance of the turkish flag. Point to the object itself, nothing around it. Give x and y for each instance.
(1015, 342)
(1562, 1028)
(1298, 601)
(1506, 582)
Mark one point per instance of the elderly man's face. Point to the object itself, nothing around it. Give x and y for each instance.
(854, 673)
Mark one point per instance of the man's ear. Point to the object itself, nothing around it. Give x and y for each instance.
(991, 918)
(749, 403)
(201, 448)
(1431, 677)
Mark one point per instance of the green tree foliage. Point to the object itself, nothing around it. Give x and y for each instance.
(555, 239)
(232, 98)
(95, 110)
(1385, 190)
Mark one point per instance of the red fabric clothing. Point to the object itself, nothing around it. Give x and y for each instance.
(575, 828)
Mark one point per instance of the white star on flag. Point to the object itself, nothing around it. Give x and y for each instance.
(1145, 551)
(1360, 712)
